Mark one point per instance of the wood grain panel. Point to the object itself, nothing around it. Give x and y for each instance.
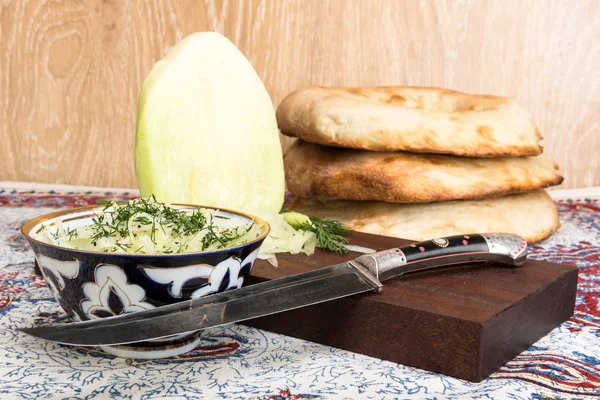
(70, 71)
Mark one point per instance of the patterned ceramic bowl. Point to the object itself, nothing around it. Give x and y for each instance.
(91, 285)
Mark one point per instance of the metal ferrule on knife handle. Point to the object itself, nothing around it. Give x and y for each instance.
(504, 248)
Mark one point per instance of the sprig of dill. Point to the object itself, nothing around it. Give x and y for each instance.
(330, 234)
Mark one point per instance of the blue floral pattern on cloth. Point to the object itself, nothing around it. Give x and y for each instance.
(241, 362)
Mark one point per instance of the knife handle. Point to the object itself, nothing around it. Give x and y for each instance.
(504, 248)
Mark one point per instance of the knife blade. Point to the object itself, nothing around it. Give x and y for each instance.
(363, 274)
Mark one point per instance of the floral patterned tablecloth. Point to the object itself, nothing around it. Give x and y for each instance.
(241, 362)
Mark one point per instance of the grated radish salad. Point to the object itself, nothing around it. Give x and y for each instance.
(145, 226)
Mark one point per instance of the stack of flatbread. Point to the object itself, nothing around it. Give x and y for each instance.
(417, 163)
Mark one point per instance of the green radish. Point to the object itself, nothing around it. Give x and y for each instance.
(206, 130)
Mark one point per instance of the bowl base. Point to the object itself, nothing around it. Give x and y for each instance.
(151, 350)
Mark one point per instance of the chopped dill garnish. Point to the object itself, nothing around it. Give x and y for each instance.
(123, 246)
(71, 233)
(55, 235)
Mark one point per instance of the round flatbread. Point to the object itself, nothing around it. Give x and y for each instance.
(412, 119)
(532, 215)
(331, 172)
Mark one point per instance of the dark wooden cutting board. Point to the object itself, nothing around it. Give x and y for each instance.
(464, 322)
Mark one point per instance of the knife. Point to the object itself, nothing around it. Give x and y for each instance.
(360, 275)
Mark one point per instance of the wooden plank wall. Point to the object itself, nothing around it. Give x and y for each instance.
(70, 71)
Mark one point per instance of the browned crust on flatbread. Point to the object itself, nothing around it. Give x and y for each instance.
(330, 172)
(415, 119)
(532, 215)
